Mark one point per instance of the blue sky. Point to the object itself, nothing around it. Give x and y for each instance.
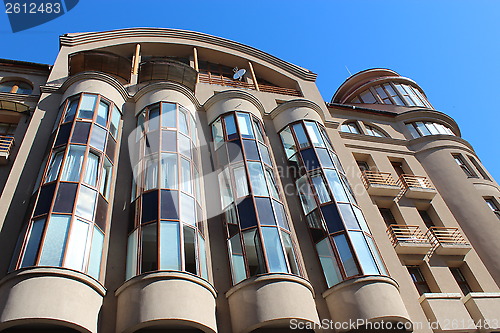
(450, 48)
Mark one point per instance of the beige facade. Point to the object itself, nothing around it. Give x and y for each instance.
(150, 189)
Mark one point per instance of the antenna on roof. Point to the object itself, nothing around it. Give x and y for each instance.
(350, 74)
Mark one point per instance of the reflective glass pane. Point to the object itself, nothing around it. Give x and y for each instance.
(280, 215)
(245, 125)
(55, 241)
(186, 182)
(328, 262)
(71, 110)
(320, 187)
(86, 203)
(368, 97)
(258, 131)
(149, 248)
(55, 165)
(230, 126)
(225, 188)
(246, 212)
(346, 255)
(257, 179)
(73, 164)
(376, 254)
(189, 249)
(365, 257)
(170, 247)
(154, 120)
(96, 253)
(139, 131)
(290, 253)
(348, 216)
(251, 152)
(185, 145)
(132, 251)
(217, 133)
(115, 121)
(412, 130)
(203, 257)
(91, 170)
(98, 137)
(188, 213)
(151, 174)
(31, 250)
(237, 259)
(264, 153)
(77, 245)
(271, 183)
(253, 250)
(335, 185)
(106, 178)
(168, 165)
(301, 135)
(240, 179)
(168, 140)
(102, 113)
(87, 106)
(361, 219)
(169, 208)
(80, 132)
(422, 128)
(312, 130)
(324, 158)
(288, 142)
(306, 195)
(265, 211)
(183, 120)
(168, 115)
(274, 250)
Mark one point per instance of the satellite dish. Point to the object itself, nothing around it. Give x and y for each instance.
(238, 73)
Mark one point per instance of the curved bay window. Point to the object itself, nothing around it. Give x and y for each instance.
(69, 220)
(258, 234)
(343, 241)
(167, 231)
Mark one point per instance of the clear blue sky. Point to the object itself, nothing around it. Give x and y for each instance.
(450, 48)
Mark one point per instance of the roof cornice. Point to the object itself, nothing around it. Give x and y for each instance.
(96, 76)
(76, 39)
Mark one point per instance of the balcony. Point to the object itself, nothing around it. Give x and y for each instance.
(417, 187)
(168, 70)
(228, 82)
(408, 239)
(448, 241)
(483, 308)
(447, 312)
(105, 62)
(6, 143)
(380, 183)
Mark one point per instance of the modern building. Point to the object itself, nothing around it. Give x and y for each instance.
(172, 181)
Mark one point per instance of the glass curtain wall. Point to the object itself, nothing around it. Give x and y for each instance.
(343, 241)
(258, 233)
(68, 224)
(167, 230)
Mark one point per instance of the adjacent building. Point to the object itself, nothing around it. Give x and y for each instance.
(168, 180)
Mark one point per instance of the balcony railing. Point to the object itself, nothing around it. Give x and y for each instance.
(448, 241)
(167, 70)
(279, 90)
(6, 143)
(225, 81)
(380, 183)
(408, 239)
(417, 187)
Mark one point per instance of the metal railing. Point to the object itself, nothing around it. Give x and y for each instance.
(378, 178)
(279, 90)
(415, 181)
(225, 81)
(402, 233)
(448, 236)
(6, 143)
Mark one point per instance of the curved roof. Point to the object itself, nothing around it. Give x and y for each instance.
(190, 37)
(365, 77)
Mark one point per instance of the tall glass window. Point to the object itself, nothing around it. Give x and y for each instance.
(167, 229)
(71, 209)
(343, 241)
(259, 239)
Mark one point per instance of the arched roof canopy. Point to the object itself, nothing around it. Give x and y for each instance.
(361, 80)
